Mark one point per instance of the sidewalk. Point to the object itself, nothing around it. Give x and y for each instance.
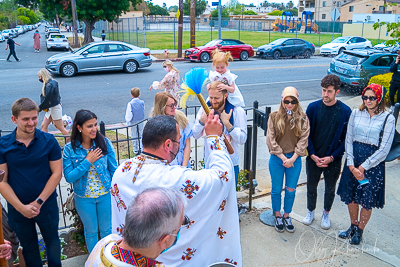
(263, 246)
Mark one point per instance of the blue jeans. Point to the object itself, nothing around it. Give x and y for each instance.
(277, 171)
(95, 214)
(25, 228)
(236, 169)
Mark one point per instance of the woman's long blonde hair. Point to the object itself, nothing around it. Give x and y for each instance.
(46, 77)
(296, 122)
(169, 64)
(160, 101)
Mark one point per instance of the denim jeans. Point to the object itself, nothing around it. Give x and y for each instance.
(136, 132)
(236, 169)
(25, 228)
(95, 214)
(277, 171)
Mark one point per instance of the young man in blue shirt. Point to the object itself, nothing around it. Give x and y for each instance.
(32, 163)
(328, 125)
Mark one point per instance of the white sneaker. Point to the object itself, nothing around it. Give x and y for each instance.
(325, 220)
(391, 110)
(309, 217)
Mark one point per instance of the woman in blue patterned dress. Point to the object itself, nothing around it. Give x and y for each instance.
(89, 164)
(363, 177)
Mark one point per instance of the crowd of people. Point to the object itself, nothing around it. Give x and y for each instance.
(153, 209)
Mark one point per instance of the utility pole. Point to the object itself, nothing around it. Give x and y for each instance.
(192, 23)
(219, 19)
(74, 24)
(180, 28)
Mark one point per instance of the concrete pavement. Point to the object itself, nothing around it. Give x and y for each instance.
(310, 245)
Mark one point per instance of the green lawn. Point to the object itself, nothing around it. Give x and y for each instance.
(165, 40)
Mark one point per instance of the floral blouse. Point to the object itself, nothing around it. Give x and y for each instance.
(170, 83)
(95, 187)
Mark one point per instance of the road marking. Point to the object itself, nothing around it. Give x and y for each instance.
(283, 67)
(297, 81)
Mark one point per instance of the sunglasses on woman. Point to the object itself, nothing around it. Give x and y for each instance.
(164, 67)
(287, 102)
(371, 98)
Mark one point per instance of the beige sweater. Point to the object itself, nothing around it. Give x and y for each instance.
(288, 142)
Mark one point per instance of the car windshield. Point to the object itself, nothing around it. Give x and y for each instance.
(351, 59)
(57, 36)
(211, 43)
(277, 42)
(80, 49)
(340, 40)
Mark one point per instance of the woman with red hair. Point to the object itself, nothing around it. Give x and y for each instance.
(369, 137)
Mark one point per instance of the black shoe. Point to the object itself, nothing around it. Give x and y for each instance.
(288, 224)
(349, 232)
(279, 224)
(357, 237)
(19, 60)
(8, 60)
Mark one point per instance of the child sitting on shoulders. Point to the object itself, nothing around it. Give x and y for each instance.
(222, 74)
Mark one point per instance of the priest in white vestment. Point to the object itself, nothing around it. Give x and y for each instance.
(213, 234)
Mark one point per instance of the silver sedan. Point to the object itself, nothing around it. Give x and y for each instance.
(100, 56)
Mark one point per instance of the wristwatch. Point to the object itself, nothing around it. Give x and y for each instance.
(39, 201)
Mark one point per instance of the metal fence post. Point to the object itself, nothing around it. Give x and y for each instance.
(269, 32)
(254, 148)
(129, 30)
(174, 33)
(249, 175)
(144, 27)
(137, 33)
(122, 31)
(239, 29)
(103, 128)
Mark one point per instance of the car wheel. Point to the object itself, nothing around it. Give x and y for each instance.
(341, 50)
(48, 49)
(130, 66)
(204, 57)
(244, 55)
(68, 70)
(307, 54)
(276, 54)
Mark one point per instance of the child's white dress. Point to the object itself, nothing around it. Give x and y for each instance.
(228, 78)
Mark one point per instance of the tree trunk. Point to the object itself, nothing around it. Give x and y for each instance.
(89, 27)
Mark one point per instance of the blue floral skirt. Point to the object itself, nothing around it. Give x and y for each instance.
(371, 195)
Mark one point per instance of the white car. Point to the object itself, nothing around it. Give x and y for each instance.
(344, 43)
(5, 33)
(2, 39)
(20, 29)
(58, 41)
(386, 47)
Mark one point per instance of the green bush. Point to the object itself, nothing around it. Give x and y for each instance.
(384, 80)
(249, 12)
(275, 13)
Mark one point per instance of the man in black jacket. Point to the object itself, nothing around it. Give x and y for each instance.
(11, 43)
(394, 83)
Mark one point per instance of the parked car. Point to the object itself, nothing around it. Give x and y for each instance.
(286, 47)
(99, 56)
(14, 33)
(51, 30)
(356, 67)
(387, 47)
(58, 41)
(2, 39)
(20, 29)
(203, 53)
(340, 44)
(5, 33)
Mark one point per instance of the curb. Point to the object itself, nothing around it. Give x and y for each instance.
(172, 59)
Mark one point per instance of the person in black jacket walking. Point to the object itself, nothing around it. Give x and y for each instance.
(50, 102)
(395, 82)
(11, 44)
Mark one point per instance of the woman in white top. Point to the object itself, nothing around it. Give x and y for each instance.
(369, 137)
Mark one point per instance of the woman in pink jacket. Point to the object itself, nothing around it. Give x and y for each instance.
(36, 42)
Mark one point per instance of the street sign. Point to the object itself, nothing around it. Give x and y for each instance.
(335, 14)
(214, 3)
(178, 14)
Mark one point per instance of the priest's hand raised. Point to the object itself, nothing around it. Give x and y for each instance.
(213, 125)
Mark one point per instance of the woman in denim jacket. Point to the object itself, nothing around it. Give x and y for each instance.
(89, 164)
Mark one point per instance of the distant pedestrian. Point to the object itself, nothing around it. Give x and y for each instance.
(36, 41)
(170, 83)
(135, 113)
(11, 44)
(287, 139)
(394, 83)
(50, 102)
(369, 138)
(328, 124)
(103, 35)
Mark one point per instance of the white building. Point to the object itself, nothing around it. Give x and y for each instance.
(372, 18)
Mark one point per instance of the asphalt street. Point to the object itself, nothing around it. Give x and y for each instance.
(107, 93)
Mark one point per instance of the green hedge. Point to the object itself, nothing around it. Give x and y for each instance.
(384, 79)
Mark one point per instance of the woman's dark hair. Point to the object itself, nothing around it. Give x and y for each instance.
(81, 117)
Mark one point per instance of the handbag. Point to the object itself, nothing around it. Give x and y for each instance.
(394, 152)
(70, 202)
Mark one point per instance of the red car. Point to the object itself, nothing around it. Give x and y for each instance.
(203, 53)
